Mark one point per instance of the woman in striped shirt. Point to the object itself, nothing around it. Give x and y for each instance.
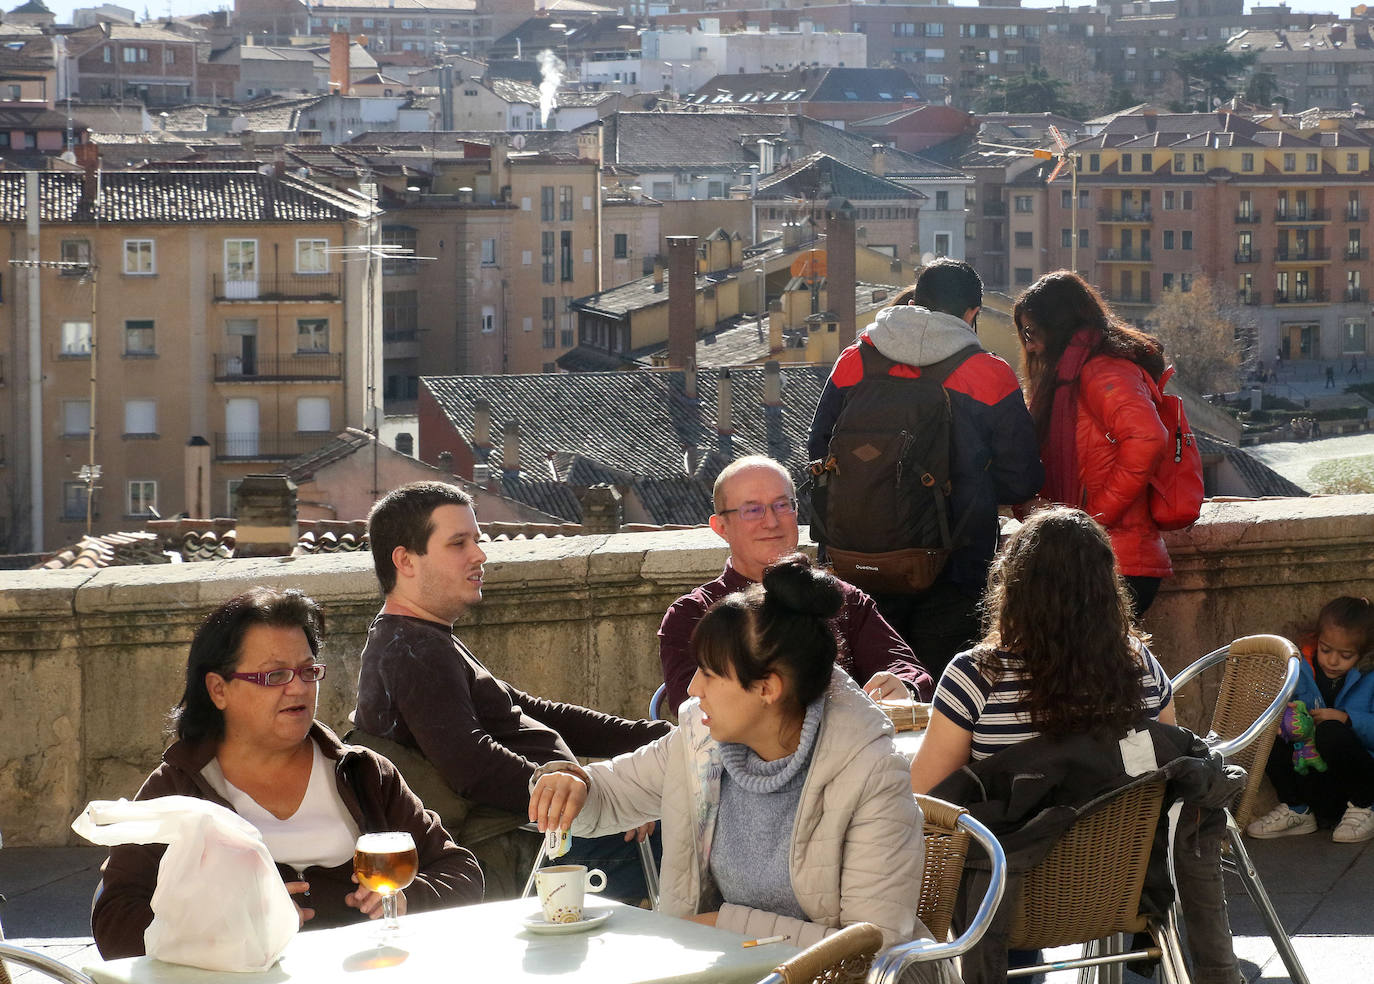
(1059, 655)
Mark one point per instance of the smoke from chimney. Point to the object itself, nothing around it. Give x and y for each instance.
(551, 68)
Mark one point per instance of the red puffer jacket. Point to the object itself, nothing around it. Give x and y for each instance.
(1120, 441)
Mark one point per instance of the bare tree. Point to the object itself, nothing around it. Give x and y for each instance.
(1207, 339)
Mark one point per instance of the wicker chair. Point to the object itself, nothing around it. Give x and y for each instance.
(37, 961)
(1088, 887)
(842, 958)
(1260, 674)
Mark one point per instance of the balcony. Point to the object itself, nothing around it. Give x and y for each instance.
(1356, 253)
(1138, 254)
(997, 246)
(995, 210)
(1123, 215)
(278, 368)
(1314, 254)
(282, 287)
(1301, 215)
(1301, 296)
(1250, 298)
(1248, 256)
(1132, 297)
(1355, 214)
(1248, 218)
(1356, 295)
(268, 445)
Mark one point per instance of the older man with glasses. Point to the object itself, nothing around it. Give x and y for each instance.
(756, 513)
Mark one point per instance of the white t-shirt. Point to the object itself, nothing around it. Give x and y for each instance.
(321, 831)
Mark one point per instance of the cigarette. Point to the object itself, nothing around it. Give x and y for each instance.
(766, 939)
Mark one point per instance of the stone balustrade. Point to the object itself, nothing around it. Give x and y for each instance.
(91, 661)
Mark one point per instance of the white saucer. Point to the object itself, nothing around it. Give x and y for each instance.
(591, 918)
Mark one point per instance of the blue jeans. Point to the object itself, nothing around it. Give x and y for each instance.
(619, 860)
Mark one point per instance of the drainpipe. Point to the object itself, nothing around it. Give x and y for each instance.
(32, 196)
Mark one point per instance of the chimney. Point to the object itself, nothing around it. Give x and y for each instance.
(682, 300)
(879, 166)
(589, 145)
(481, 427)
(510, 449)
(266, 516)
(602, 510)
(445, 462)
(338, 62)
(500, 152)
(772, 385)
(279, 162)
(197, 479)
(725, 399)
(1151, 117)
(765, 156)
(689, 379)
(775, 341)
(658, 273)
(88, 156)
(840, 275)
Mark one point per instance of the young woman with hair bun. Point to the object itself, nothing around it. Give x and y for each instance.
(786, 807)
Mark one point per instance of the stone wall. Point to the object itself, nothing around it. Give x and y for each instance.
(91, 661)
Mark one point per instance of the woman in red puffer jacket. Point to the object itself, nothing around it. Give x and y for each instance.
(1088, 384)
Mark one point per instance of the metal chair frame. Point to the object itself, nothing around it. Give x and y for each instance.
(42, 963)
(1259, 734)
(889, 965)
(656, 703)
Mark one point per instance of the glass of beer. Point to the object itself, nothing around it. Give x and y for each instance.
(386, 863)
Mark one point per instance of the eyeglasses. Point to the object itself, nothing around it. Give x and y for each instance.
(1028, 333)
(313, 673)
(752, 512)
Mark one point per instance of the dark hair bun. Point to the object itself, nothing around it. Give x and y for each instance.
(795, 585)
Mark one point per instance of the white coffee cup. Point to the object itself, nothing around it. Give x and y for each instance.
(561, 888)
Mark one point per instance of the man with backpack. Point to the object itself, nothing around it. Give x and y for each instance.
(919, 436)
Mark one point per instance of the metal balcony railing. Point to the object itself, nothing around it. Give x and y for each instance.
(1301, 296)
(280, 287)
(995, 210)
(1301, 215)
(1123, 215)
(1356, 294)
(1356, 253)
(1248, 218)
(1132, 297)
(274, 368)
(1250, 298)
(1310, 255)
(1136, 254)
(268, 445)
(1247, 256)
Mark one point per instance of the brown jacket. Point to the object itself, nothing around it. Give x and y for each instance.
(375, 795)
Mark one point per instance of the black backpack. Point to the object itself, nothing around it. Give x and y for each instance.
(880, 496)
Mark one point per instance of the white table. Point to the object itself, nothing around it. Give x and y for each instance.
(909, 742)
(488, 943)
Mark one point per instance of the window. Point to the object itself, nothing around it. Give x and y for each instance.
(935, 30)
(1065, 198)
(312, 335)
(1187, 239)
(1353, 338)
(1024, 240)
(546, 203)
(1312, 162)
(1290, 162)
(1024, 203)
(1066, 238)
(312, 414)
(546, 256)
(76, 338)
(1082, 238)
(1147, 162)
(311, 256)
(549, 309)
(565, 255)
(77, 254)
(1247, 162)
(134, 54)
(140, 417)
(942, 243)
(139, 257)
(1126, 162)
(1168, 200)
(139, 338)
(1180, 162)
(74, 500)
(1185, 282)
(1168, 239)
(489, 251)
(1166, 281)
(1187, 201)
(241, 267)
(565, 203)
(1024, 275)
(942, 201)
(1352, 162)
(106, 54)
(488, 319)
(1094, 162)
(621, 246)
(1199, 162)
(400, 315)
(76, 418)
(400, 258)
(141, 499)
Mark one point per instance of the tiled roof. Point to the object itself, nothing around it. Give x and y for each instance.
(820, 174)
(323, 7)
(179, 196)
(303, 468)
(108, 550)
(833, 85)
(514, 92)
(1259, 478)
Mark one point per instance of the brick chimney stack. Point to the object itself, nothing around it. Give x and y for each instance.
(338, 62)
(88, 156)
(839, 227)
(510, 449)
(682, 300)
(725, 406)
(266, 516)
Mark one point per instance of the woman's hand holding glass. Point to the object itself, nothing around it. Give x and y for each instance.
(557, 799)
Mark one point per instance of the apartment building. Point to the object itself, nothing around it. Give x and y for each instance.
(145, 62)
(1324, 67)
(418, 26)
(1275, 207)
(178, 329)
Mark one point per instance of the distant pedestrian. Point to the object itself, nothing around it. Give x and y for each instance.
(1354, 366)
(1330, 377)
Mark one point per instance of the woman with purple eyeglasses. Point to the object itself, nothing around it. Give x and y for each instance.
(247, 739)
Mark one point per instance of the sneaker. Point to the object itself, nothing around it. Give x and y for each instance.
(1357, 825)
(1283, 822)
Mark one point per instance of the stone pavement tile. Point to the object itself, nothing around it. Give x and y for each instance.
(23, 869)
(48, 890)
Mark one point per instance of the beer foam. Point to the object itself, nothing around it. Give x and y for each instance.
(388, 842)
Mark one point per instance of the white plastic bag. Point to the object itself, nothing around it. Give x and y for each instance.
(220, 903)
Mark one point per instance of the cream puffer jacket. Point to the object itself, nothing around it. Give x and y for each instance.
(856, 853)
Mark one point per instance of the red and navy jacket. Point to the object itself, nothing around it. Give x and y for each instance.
(995, 459)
